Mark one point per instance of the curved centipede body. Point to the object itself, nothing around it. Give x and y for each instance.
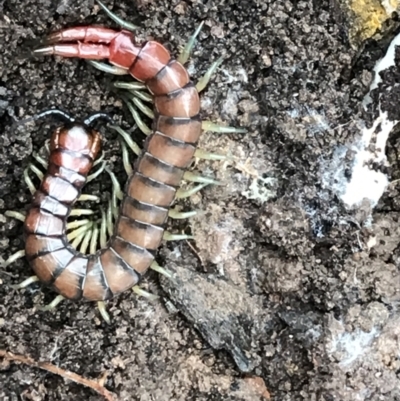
(73, 149)
(149, 191)
(151, 187)
(144, 209)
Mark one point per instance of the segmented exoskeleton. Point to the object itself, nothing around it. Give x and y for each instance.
(153, 183)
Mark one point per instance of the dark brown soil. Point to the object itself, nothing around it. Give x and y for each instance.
(281, 282)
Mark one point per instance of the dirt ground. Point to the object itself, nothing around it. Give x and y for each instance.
(284, 293)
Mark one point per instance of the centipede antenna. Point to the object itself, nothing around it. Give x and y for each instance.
(45, 113)
(124, 24)
(96, 116)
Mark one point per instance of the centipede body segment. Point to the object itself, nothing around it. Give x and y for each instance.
(150, 190)
(152, 184)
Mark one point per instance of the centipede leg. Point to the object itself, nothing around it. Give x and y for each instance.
(103, 229)
(116, 185)
(108, 68)
(142, 107)
(29, 182)
(156, 267)
(91, 177)
(203, 154)
(138, 120)
(192, 177)
(17, 255)
(121, 22)
(78, 240)
(181, 193)
(168, 236)
(37, 172)
(143, 96)
(187, 49)
(125, 135)
(175, 214)
(125, 159)
(131, 86)
(25, 283)
(221, 129)
(136, 289)
(109, 216)
(52, 305)
(81, 230)
(87, 197)
(99, 160)
(15, 215)
(205, 79)
(40, 160)
(94, 238)
(86, 240)
(103, 312)
(81, 212)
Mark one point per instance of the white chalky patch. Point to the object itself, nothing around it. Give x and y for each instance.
(365, 182)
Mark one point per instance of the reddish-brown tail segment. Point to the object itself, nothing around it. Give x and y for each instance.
(149, 191)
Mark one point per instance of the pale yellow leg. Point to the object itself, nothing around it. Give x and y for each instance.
(25, 283)
(175, 237)
(103, 312)
(136, 289)
(52, 305)
(156, 267)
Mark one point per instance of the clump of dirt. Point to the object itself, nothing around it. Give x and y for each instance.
(284, 293)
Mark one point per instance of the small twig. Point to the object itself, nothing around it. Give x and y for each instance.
(93, 384)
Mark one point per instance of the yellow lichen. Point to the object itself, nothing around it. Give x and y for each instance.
(368, 17)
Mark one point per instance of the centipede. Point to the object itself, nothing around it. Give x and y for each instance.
(153, 183)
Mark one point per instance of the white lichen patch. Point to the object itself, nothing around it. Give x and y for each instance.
(348, 347)
(367, 182)
(260, 188)
(383, 64)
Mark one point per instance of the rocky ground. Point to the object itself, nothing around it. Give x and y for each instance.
(289, 290)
